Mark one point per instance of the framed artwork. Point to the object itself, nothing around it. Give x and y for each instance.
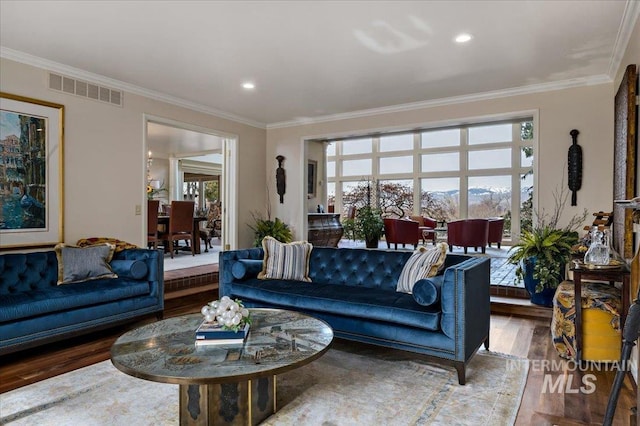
(31, 197)
(312, 178)
(625, 161)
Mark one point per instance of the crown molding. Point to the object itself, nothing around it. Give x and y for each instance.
(629, 18)
(523, 90)
(67, 70)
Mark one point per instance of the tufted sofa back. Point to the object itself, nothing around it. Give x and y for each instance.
(357, 267)
(22, 272)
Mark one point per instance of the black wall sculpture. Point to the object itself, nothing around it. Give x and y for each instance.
(575, 167)
(281, 184)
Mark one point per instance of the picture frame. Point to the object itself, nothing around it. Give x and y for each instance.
(312, 178)
(31, 172)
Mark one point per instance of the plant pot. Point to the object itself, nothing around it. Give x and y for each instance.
(543, 298)
(371, 242)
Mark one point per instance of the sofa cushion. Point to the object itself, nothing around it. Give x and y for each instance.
(76, 264)
(65, 297)
(426, 292)
(423, 263)
(134, 269)
(369, 303)
(246, 268)
(288, 261)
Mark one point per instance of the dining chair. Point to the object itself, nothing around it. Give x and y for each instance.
(180, 224)
(152, 223)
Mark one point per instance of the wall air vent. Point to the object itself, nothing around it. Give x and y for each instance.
(84, 89)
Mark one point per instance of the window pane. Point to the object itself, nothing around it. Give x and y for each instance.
(331, 168)
(438, 138)
(331, 193)
(490, 159)
(331, 148)
(449, 161)
(440, 198)
(395, 198)
(391, 165)
(489, 196)
(526, 130)
(356, 146)
(490, 134)
(356, 167)
(396, 143)
(526, 202)
(526, 157)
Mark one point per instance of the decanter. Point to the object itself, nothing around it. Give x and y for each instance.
(598, 253)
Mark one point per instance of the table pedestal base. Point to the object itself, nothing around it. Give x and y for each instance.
(240, 403)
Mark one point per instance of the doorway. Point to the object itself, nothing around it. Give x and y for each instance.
(178, 157)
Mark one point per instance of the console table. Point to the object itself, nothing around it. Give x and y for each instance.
(324, 229)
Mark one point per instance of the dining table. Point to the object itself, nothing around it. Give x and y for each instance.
(195, 230)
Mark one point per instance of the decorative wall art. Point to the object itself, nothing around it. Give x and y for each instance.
(312, 178)
(281, 182)
(31, 199)
(575, 167)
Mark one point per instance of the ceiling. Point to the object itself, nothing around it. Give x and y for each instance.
(315, 60)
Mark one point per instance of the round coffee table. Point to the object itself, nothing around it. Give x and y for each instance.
(223, 384)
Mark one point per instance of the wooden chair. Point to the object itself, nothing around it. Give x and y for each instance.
(180, 224)
(152, 223)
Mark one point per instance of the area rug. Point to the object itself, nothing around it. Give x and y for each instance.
(372, 386)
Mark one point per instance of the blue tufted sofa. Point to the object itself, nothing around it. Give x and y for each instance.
(354, 290)
(35, 310)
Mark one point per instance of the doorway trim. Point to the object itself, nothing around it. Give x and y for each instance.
(229, 190)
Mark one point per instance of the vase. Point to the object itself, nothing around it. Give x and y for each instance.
(544, 297)
(598, 252)
(371, 242)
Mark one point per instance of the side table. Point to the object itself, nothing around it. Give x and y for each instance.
(619, 274)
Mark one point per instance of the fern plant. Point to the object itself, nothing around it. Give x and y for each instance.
(273, 228)
(552, 250)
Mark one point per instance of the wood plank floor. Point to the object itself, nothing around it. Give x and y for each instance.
(509, 334)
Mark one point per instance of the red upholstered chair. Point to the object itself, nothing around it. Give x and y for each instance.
(496, 227)
(426, 228)
(468, 233)
(400, 231)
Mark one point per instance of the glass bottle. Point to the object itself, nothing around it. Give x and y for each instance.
(598, 253)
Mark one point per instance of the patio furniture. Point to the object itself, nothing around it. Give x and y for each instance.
(426, 228)
(496, 228)
(400, 231)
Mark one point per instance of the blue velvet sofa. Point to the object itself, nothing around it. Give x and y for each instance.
(354, 290)
(35, 310)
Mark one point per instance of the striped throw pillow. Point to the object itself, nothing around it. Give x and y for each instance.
(285, 261)
(423, 263)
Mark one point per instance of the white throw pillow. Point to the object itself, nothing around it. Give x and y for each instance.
(285, 261)
(423, 263)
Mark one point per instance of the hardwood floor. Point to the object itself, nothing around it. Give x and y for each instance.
(524, 337)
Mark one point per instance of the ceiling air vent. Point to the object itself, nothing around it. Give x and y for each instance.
(84, 89)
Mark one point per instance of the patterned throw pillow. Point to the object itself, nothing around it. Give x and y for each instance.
(285, 261)
(77, 264)
(119, 244)
(423, 263)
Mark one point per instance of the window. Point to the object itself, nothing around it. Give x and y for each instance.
(471, 171)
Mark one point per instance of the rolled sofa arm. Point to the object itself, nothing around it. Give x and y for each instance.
(228, 260)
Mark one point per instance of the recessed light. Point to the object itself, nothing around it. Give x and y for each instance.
(463, 38)
(248, 85)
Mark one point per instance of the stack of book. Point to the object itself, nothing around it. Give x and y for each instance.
(210, 333)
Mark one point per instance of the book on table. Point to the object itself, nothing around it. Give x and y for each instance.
(209, 333)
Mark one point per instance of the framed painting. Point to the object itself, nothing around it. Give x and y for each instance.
(31, 196)
(312, 178)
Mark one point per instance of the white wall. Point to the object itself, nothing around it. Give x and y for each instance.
(588, 109)
(104, 158)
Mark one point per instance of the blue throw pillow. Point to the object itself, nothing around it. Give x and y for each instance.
(246, 268)
(426, 292)
(135, 269)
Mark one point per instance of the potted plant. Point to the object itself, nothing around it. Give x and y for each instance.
(369, 226)
(273, 228)
(544, 250)
(541, 256)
